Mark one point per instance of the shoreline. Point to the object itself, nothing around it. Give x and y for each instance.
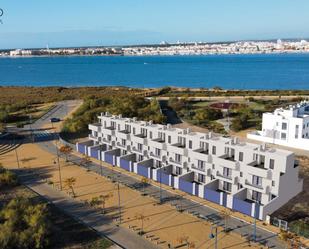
(296, 52)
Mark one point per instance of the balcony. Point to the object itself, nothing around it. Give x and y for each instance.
(225, 161)
(137, 150)
(108, 131)
(251, 184)
(178, 148)
(157, 143)
(256, 164)
(93, 137)
(196, 167)
(225, 176)
(95, 127)
(121, 145)
(139, 138)
(174, 161)
(155, 155)
(257, 169)
(123, 134)
(200, 154)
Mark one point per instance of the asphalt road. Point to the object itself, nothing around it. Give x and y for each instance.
(265, 237)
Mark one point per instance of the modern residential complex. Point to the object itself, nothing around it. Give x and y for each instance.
(248, 178)
(288, 127)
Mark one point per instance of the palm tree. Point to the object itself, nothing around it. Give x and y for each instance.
(95, 202)
(69, 183)
(144, 182)
(66, 150)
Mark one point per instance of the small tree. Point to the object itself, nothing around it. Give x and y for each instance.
(66, 150)
(104, 199)
(95, 202)
(142, 218)
(69, 183)
(144, 182)
(226, 214)
(86, 161)
(185, 240)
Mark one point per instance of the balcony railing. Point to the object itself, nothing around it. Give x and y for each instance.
(120, 145)
(253, 184)
(193, 166)
(137, 150)
(229, 177)
(155, 155)
(174, 161)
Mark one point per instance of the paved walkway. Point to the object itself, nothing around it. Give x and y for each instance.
(124, 237)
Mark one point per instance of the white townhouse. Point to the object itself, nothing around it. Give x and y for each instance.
(249, 178)
(287, 127)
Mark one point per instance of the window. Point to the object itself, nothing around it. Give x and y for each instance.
(201, 178)
(214, 150)
(128, 128)
(271, 163)
(178, 158)
(200, 164)
(139, 147)
(190, 144)
(296, 131)
(227, 172)
(257, 180)
(283, 135)
(140, 158)
(241, 156)
(178, 171)
(256, 196)
(123, 142)
(169, 139)
(157, 152)
(273, 183)
(241, 174)
(158, 164)
(239, 186)
(227, 186)
(118, 127)
(134, 130)
(150, 134)
(284, 126)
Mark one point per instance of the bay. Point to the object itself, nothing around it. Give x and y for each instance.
(263, 71)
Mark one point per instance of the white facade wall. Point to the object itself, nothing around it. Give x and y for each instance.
(232, 163)
(287, 127)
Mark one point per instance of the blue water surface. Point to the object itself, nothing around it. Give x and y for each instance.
(266, 71)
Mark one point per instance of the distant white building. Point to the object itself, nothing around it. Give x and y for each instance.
(19, 52)
(287, 127)
(248, 178)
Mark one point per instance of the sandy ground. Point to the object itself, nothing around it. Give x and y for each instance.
(162, 222)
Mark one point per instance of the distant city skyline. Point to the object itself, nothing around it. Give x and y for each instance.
(33, 24)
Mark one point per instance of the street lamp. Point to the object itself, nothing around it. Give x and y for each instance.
(119, 208)
(214, 235)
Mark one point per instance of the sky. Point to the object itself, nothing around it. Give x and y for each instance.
(64, 23)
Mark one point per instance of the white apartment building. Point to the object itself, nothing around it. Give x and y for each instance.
(287, 127)
(248, 178)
